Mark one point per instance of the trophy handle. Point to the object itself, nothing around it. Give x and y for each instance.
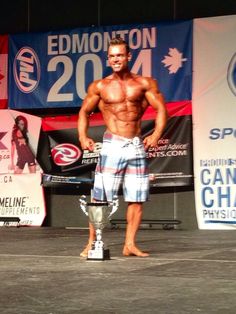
(114, 204)
(83, 204)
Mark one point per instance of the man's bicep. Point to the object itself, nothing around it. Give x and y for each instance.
(154, 96)
(90, 103)
(91, 100)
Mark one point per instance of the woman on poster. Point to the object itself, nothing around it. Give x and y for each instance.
(20, 144)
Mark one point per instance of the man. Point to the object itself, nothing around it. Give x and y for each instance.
(122, 99)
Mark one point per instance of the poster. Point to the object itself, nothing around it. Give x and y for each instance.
(21, 196)
(21, 193)
(214, 112)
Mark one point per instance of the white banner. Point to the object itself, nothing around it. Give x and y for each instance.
(22, 196)
(21, 193)
(214, 121)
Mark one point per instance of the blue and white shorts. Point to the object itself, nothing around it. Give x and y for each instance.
(122, 160)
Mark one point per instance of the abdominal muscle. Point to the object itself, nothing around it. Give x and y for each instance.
(123, 119)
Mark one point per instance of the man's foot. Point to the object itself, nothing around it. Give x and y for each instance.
(84, 253)
(132, 250)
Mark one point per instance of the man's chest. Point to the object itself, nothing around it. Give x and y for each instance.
(117, 92)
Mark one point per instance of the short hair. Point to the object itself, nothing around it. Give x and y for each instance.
(119, 41)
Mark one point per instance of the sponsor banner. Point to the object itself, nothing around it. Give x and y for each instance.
(22, 196)
(21, 193)
(170, 163)
(3, 70)
(214, 112)
(54, 69)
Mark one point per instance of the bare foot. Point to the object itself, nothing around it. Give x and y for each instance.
(84, 253)
(131, 249)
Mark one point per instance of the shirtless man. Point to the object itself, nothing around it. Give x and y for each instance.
(122, 99)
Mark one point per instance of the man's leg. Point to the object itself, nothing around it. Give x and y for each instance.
(84, 253)
(134, 216)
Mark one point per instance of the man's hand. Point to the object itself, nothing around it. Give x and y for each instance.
(150, 141)
(87, 143)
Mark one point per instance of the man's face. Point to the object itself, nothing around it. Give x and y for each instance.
(118, 58)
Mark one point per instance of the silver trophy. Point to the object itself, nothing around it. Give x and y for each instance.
(99, 214)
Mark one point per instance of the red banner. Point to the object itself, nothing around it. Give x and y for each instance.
(3, 71)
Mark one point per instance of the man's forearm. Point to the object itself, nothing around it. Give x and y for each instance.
(83, 124)
(160, 123)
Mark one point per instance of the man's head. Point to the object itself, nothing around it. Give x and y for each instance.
(118, 54)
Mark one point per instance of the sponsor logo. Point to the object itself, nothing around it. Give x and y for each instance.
(231, 74)
(26, 70)
(220, 134)
(2, 146)
(65, 154)
(92, 157)
(217, 162)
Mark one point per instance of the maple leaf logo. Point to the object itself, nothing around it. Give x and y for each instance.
(174, 60)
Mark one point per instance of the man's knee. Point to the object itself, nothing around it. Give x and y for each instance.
(136, 205)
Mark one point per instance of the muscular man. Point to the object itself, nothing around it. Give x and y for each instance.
(122, 99)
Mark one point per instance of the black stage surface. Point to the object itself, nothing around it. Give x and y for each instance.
(187, 272)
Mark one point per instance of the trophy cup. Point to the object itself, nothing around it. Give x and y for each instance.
(99, 214)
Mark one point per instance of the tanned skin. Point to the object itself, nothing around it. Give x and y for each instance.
(122, 99)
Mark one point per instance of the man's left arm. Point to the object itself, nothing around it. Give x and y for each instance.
(156, 100)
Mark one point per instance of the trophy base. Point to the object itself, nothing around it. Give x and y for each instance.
(98, 255)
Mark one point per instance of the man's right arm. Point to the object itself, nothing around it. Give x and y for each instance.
(89, 105)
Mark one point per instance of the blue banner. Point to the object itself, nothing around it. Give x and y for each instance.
(54, 69)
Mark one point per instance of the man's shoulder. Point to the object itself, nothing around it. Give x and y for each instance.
(146, 81)
(101, 82)
(96, 86)
(107, 79)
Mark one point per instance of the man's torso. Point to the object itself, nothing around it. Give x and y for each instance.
(123, 103)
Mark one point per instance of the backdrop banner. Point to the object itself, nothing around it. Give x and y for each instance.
(3, 70)
(214, 112)
(21, 193)
(54, 69)
(170, 163)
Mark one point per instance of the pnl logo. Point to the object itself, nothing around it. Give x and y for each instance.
(26, 70)
(231, 75)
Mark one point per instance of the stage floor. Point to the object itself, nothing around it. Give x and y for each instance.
(187, 272)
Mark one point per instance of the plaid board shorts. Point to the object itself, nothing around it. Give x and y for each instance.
(122, 160)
